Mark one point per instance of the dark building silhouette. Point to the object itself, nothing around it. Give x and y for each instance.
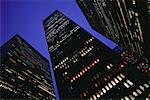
(85, 68)
(126, 22)
(25, 73)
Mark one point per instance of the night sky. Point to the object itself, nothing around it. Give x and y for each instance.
(25, 17)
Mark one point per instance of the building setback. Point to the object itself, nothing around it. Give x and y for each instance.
(85, 68)
(25, 73)
(126, 22)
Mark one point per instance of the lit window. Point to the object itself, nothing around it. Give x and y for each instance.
(126, 85)
(10, 54)
(138, 91)
(111, 65)
(18, 60)
(12, 60)
(122, 75)
(97, 60)
(84, 94)
(21, 78)
(24, 64)
(85, 69)
(12, 45)
(65, 73)
(119, 78)
(116, 80)
(135, 94)
(97, 95)
(93, 64)
(103, 89)
(5, 87)
(81, 73)
(106, 87)
(126, 98)
(122, 65)
(96, 85)
(141, 87)
(76, 76)
(91, 98)
(113, 83)
(146, 85)
(132, 98)
(147, 99)
(129, 82)
(30, 72)
(94, 97)
(73, 78)
(108, 66)
(8, 71)
(133, 2)
(109, 85)
(101, 93)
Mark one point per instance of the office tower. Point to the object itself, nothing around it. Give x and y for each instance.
(126, 22)
(85, 68)
(25, 73)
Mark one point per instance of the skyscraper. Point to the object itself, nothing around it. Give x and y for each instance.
(126, 22)
(25, 73)
(85, 68)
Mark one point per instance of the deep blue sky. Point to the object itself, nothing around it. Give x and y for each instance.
(25, 17)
